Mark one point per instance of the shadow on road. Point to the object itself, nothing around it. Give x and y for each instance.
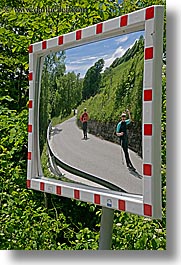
(55, 131)
(85, 139)
(135, 174)
(96, 158)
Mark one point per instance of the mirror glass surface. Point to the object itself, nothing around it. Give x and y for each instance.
(91, 105)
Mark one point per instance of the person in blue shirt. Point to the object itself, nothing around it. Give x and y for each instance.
(121, 131)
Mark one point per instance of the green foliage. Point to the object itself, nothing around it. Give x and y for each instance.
(92, 80)
(21, 28)
(13, 139)
(120, 88)
(25, 223)
(60, 92)
(130, 53)
(137, 233)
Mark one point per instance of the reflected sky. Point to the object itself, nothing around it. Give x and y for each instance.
(81, 58)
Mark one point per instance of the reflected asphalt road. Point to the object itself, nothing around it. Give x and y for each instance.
(95, 156)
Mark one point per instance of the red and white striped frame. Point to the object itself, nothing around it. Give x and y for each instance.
(149, 19)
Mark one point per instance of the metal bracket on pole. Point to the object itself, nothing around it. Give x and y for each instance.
(105, 240)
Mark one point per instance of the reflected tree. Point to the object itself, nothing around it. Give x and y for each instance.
(60, 91)
(92, 80)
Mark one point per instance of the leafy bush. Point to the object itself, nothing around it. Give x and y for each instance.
(121, 89)
(25, 222)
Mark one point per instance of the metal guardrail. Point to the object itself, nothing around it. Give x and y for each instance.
(57, 161)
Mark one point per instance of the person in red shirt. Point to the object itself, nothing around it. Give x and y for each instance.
(84, 118)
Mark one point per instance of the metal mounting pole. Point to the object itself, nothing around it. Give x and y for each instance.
(105, 240)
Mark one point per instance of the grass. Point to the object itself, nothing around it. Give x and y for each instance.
(60, 119)
(121, 89)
